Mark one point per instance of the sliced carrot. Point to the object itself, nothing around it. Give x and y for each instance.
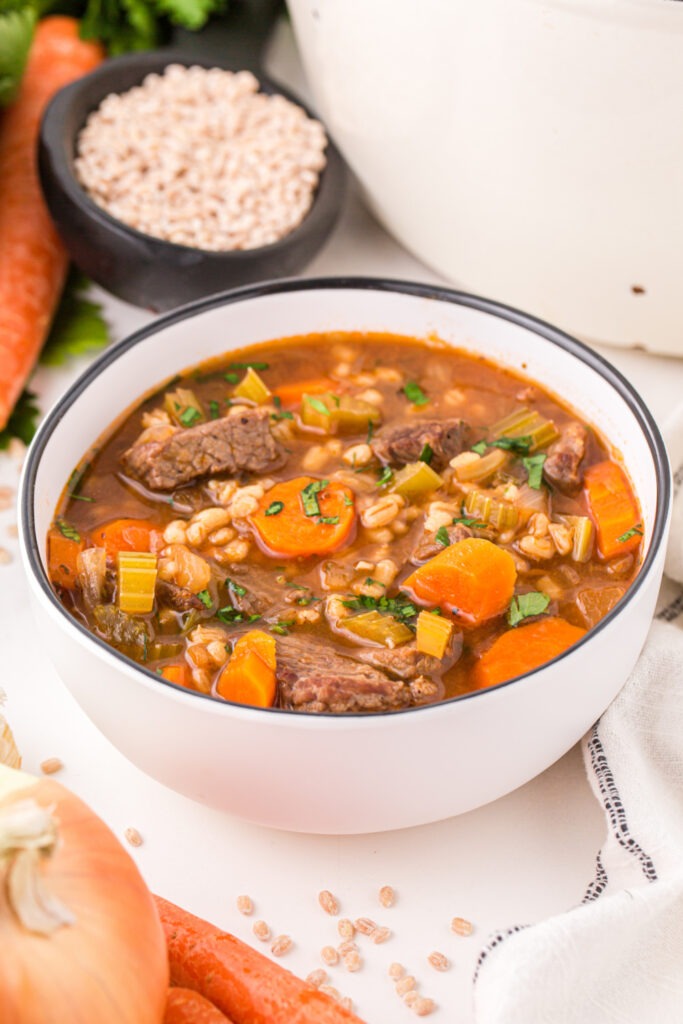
(245, 985)
(179, 674)
(613, 508)
(284, 528)
(128, 535)
(33, 261)
(292, 394)
(62, 558)
(249, 676)
(183, 1006)
(523, 649)
(473, 579)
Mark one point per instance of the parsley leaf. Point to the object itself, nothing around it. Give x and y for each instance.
(414, 393)
(427, 454)
(68, 531)
(281, 628)
(525, 605)
(347, 501)
(400, 607)
(231, 378)
(441, 537)
(236, 588)
(479, 447)
(78, 327)
(230, 614)
(386, 476)
(635, 531)
(371, 430)
(280, 414)
(249, 366)
(309, 497)
(534, 467)
(469, 521)
(205, 597)
(512, 444)
(316, 404)
(23, 421)
(275, 508)
(214, 409)
(189, 416)
(329, 520)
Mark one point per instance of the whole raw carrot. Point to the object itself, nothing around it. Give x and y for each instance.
(243, 984)
(33, 262)
(183, 1006)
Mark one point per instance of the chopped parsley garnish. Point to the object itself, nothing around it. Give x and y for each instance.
(414, 393)
(328, 520)
(386, 476)
(347, 501)
(236, 588)
(479, 447)
(281, 628)
(371, 430)
(275, 508)
(427, 454)
(525, 605)
(280, 414)
(534, 467)
(469, 521)
(68, 531)
(231, 378)
(189, 416)
(247, 366)
(512, 444)
(214, 409)
(309, 497)
(635, 531)
(80, 497)
(205, 597)
(319, 406)
(400, 607)
(441, 537)
(230, 614)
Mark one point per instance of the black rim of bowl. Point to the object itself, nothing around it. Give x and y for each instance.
(609, 373)
(330, 188)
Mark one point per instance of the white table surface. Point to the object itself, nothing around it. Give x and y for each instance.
(518, 860)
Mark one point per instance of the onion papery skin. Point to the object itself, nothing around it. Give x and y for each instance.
(111, 965)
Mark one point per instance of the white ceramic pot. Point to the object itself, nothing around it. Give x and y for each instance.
(531, 150)
(358, 773)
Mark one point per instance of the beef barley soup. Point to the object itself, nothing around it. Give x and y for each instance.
(345, 523)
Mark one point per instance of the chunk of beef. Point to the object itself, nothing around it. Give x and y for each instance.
(428, 546)
(239, 443)
(312, 677)
(180, 599)
(403, 444)
(263, 595)
(406, 662)
(561, 468)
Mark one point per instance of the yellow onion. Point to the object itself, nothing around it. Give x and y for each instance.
(80, 939)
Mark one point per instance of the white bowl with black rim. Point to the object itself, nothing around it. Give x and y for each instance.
(342, 773)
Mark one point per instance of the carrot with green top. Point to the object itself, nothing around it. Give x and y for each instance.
(523, 649)
(303, 517)
(245, 985)
(33, 261)
(473, 579)
(613, 508)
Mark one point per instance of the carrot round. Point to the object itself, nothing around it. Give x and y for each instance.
(295, 518)
(473, 579)
(33, 261)
(249, 676)
(128, 535)
(613, 509)
(183, 1006)
(523, 649)
(245, 985)
(292, 394)
(62, 559)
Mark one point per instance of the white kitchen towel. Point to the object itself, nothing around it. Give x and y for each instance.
(617, 957)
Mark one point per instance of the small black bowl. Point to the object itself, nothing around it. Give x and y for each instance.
(144, 270)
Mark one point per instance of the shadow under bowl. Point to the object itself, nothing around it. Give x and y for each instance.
(147, 271)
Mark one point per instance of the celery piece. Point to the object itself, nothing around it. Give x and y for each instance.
(527, 423)
(377, 628)
(433, 634)
(499, 514)
(483, 468)
(184, 408)
(252, 387)
(584, 535)
(416, 479)
(338, 414)
(137, 576)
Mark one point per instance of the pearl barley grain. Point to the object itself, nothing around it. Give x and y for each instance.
(201, 158)
(461, 926)
(245, 905)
